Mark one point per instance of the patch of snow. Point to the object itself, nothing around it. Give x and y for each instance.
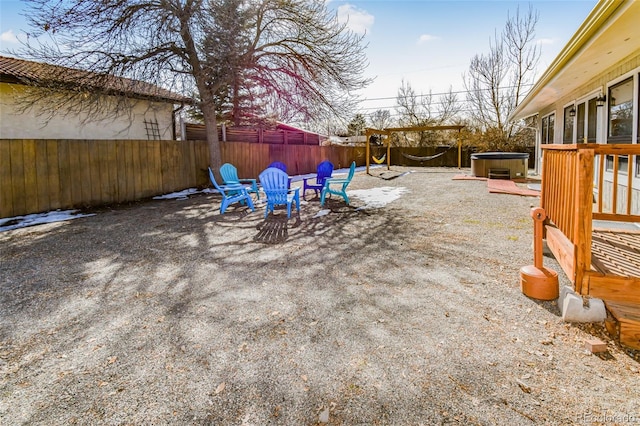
(9, 223)
(322, 213)
(535, 186)
(376, 198)
(180, 195)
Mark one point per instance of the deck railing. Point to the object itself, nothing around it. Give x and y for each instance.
(567, 195)
(619, 197)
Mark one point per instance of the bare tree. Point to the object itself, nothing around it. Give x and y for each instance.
(380, 119)
(423, 110)
(496, 81)
(523, 53)
(299, 59)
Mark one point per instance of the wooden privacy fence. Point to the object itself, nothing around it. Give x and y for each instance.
(44, 175)
(268, 136)
(251, 158)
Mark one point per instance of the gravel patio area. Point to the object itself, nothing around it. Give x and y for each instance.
(165, 312)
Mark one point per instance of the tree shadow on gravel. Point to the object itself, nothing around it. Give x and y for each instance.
(171, 307)
(232, 215)
(90, 256)
(273, 230)
(275, 227)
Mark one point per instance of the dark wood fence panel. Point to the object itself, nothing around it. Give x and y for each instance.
(243, 135)
(234, 134)
(249, 158)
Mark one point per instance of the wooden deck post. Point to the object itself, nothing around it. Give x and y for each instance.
(367, 134)
(389, 152)
(459, 150)
(583, 216)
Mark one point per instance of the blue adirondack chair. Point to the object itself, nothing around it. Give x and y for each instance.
(316, 183)
(340, 183)
(280, 165)
(233, 193)
(229, 174)
(275, 186)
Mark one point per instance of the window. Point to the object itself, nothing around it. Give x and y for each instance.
(547, 128)
(621, 112)
(586, 119)
(152, 128)
(580, 123)
(569, 116)
(592, 119)
(623, 163)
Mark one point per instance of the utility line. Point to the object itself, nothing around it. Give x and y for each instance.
(442, 93)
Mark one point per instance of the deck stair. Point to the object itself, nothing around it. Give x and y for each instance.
(624, 323)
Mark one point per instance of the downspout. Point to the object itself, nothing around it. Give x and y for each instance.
(173, 122)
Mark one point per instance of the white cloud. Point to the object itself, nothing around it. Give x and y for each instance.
(359, 21)
(8, 37)
(424, 38)
(545, 41)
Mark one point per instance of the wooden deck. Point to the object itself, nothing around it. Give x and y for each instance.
(624, 323)
(615, 252)
(601, 263)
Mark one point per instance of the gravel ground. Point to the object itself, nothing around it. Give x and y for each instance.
(166, 312)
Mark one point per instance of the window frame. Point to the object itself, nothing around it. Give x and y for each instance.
(546, 130)
(568, 124)
(581, 125)
(624, 165)
(625, 138)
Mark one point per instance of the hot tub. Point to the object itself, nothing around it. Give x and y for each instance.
(500, 164)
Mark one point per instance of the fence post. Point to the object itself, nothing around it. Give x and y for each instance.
(583, 217)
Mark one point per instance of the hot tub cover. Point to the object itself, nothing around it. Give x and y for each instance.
(500, 156)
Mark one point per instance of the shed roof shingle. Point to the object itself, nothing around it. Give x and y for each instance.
(30, 72)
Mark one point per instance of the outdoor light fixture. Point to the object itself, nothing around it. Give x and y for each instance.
(572, 112)
(600, 100)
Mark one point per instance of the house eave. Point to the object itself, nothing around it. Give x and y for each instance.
(607, 36)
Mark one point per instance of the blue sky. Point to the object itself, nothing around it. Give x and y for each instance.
(430, 43)
(427, 43)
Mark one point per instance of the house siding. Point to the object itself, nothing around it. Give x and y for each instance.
(593, 85)
(32, 124)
